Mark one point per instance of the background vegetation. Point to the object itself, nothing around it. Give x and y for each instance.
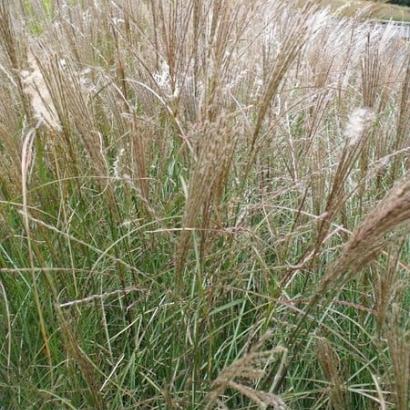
(374, 9)
(400, 2)
(203, 204)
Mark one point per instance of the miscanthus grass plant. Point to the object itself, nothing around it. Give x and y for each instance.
(204, 204)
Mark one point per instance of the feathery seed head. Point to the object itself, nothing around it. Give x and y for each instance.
(360, 120)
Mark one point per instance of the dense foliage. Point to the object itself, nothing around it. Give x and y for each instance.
(204, 204)
(400, 2)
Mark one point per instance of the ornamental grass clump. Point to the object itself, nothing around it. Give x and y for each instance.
(203, 204)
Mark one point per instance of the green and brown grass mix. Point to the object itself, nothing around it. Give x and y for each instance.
(204, 204)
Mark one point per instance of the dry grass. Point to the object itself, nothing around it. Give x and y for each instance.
(201, 201)
(377, 9)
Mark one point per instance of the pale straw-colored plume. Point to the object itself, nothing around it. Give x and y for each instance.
(243, 372)
(36, 88)
(391, 215)
(360, 120)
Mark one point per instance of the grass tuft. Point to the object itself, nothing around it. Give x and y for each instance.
(203, 204)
